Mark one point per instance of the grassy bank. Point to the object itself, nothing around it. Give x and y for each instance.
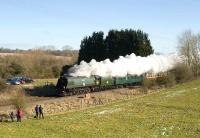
(174, 112)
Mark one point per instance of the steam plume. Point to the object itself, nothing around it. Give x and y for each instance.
(130, 64)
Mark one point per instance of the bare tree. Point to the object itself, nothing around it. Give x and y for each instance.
(189, 47)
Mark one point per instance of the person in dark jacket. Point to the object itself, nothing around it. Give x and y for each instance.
(41, 112)
(36, 111)
(12, 116)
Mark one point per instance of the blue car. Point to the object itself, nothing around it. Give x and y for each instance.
(14, 81)
(19, 80)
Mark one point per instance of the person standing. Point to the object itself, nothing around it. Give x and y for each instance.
(19, 115)
(36, 111)
(41, 112)
(12, 116)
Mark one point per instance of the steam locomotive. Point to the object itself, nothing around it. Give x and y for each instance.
(68, 85)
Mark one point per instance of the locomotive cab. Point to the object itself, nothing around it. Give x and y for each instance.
(61, 85)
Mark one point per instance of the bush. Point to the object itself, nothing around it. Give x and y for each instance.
(182, 73)
(147, 84)
(170, 80)
(15, 68)
(19, 101)
(56, 71)
(167, 81)
(3, 72)
(2, 85)
(8, 94)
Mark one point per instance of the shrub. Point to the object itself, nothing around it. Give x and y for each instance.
(15, 68)
(20, 100)
(8, 94)
(56, 71)
(171, 80)
(182, 73)
(3, 72)
(167, 81)
(147, 84)
(2, 85)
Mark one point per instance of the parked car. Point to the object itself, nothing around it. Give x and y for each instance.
(14, 81)
(19, 80)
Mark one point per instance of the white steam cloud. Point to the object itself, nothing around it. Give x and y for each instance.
(130, 64)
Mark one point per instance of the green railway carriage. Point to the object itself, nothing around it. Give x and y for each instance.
(76, 82)
(129, 80)
(107, 81)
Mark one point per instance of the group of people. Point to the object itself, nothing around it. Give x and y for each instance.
(19, 115)
(39, 112)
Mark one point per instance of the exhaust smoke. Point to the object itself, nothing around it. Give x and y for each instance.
(130, 64)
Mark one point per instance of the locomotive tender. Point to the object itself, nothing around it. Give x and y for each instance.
(68, 85)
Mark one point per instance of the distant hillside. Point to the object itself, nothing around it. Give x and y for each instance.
(35, 63)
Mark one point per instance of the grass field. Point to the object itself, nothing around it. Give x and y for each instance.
(42, 82)
(174, 112)
(42, 87)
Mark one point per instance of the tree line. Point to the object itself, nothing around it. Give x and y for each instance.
(66, 50)
(116, 43)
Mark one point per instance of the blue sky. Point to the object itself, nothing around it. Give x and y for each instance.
(27, 24)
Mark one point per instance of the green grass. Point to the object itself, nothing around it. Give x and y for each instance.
(174, 112)
(41, 88)
(42, 82)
